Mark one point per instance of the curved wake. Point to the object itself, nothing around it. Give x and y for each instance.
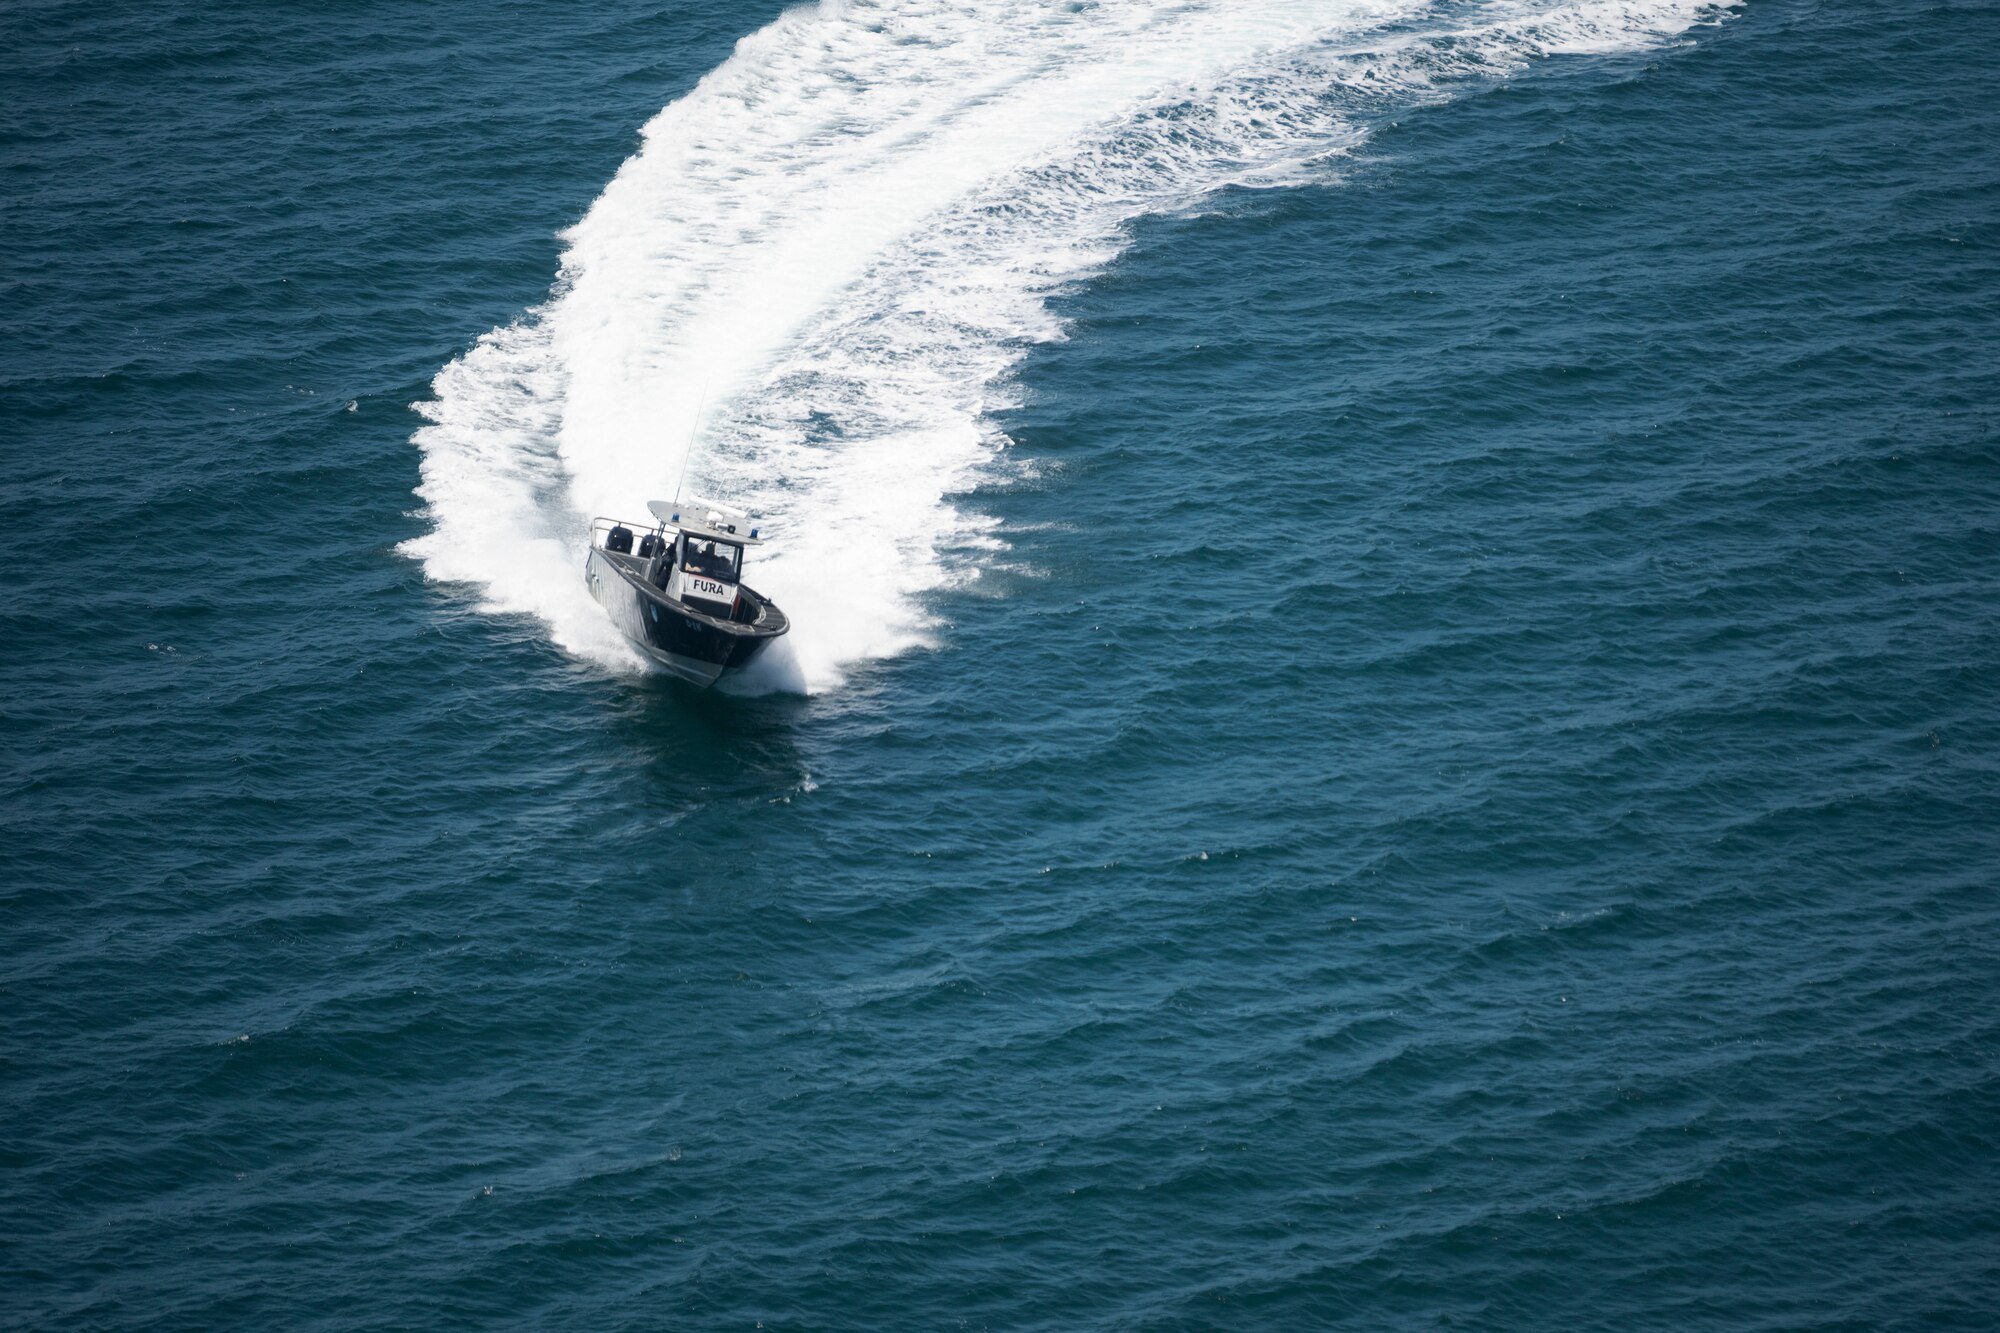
(835, 248)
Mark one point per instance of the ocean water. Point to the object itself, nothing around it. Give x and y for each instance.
(1394, 717)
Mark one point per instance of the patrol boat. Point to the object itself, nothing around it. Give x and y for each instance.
(678, 595)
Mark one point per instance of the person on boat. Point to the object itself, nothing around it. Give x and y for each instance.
(705, 559)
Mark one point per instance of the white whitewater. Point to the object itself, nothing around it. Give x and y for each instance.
(843, 240)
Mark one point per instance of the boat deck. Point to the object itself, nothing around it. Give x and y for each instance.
(753, 610)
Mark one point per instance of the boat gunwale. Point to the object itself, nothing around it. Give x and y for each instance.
(758, 628)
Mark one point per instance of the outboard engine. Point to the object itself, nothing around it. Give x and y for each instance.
(619, 539)
(649, 545)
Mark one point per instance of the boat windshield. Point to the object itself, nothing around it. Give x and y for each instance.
(716, 560)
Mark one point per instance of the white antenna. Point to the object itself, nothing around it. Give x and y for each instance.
(693, 428)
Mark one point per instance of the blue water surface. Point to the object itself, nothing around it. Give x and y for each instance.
(1471, 799)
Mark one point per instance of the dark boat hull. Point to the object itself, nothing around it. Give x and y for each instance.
(679, 638)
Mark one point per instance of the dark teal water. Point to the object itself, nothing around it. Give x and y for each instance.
(1452, 784)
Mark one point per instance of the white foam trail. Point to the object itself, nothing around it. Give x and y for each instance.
(844, 239)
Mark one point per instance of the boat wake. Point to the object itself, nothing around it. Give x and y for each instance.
(811, 283)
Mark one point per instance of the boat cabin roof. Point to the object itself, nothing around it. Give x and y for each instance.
(706, 518)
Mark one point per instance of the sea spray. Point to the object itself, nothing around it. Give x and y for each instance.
(846, 237)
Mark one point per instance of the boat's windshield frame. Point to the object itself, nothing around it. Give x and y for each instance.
(723, 560)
